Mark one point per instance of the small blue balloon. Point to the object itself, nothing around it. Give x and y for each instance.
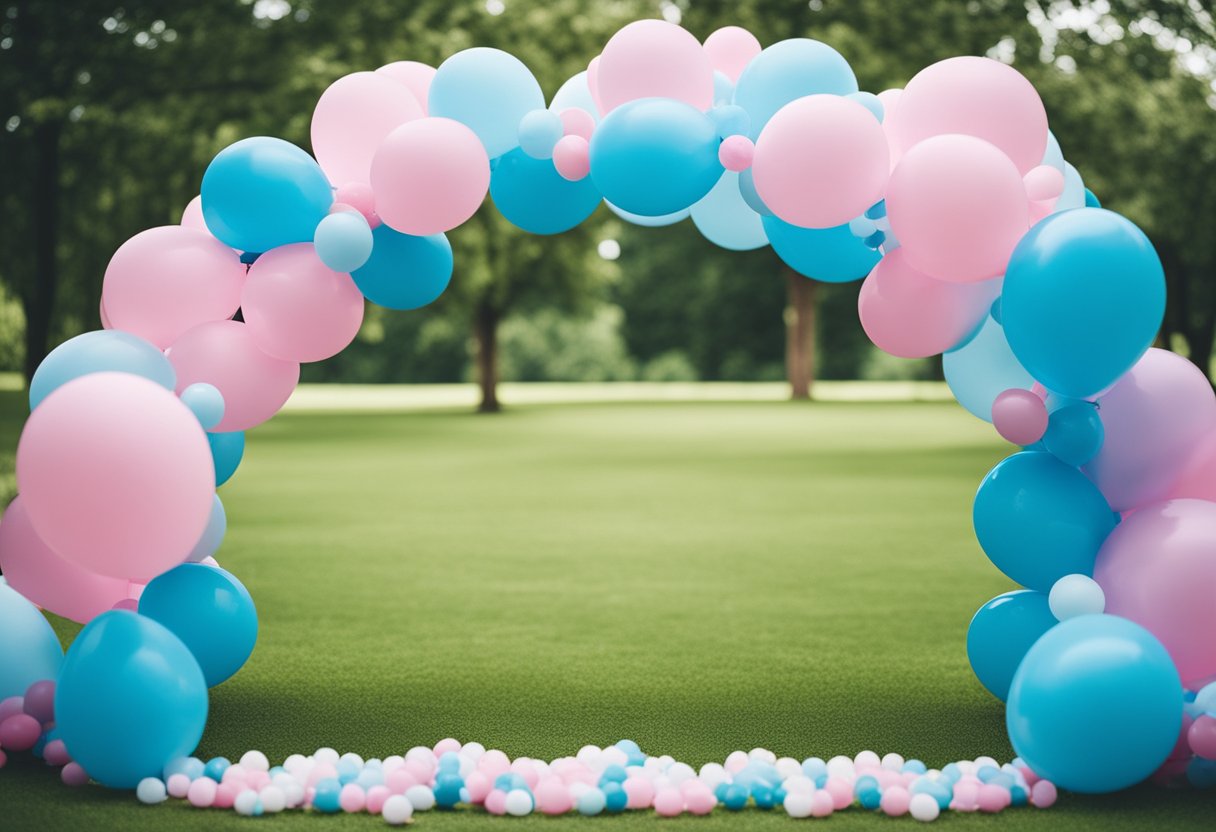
(227, 450)
(649, 222)
(213, 535)
(870, 101)
(104, 350)
(29, 648)
(788, 70)
(614, 774)
(262, 193)
(447, 789)
(405, 272)
(1096, 705)
(731, 120)
(343, 241)
(747, 187)
(724, 88)
(539, 131)
(487, 90)
(735, 797)
(615, 796)
(1000, 634)
(1074, 433)
(1091, 200)
(1073, 195)
(216, 767)
(1053, 156)
(206, 402)
(575, 94)
(210, 611)
(724, 218)
(981, 369)
(532, 195)
(832, 255)
(591, 802)
(327, 795)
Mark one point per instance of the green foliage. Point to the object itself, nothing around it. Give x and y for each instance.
(12, 325)
(549, 346)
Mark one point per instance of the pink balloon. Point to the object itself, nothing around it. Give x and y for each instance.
(730, 49)
(958, 207)
(116, 475)
(429, 176)
(653, 59)
(166, 280)
(1198, 479)
(736, 153)
(572, 157)
(889, 99)
(101, 314)
(352, 118)
(1019, 416)
(1044, 183)
(909, 314)
(1156, 418)
(1157, 569)
(577, 122)
(415, 75)
(821, 161)
(192, 215)
(254, 385)
(298, 309)
(48, 580)
(593, 84)
(976, 97)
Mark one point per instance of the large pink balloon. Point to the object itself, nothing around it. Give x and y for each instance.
(957, 206)
(907, 313)
(1158, 568)
(352, 117)
(429, 176)
(298, 309)
(976, 97)
(593, 84)
(116, 475)
(821, 161)
(654, 59)
(166, 280)
(730, 49)
(415, 75)
(889, 99)
(192, 215)
(1156, 419)
(254, 385)
(1199, 477)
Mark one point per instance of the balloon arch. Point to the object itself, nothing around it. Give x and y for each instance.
(950, 198)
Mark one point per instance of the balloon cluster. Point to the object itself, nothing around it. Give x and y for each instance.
(950, 197)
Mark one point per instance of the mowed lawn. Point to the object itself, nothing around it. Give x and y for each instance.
(700, 577)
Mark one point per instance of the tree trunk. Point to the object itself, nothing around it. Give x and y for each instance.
(800, 334)
(39, 298)
(485, 327)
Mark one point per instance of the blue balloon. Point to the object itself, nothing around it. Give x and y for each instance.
(227, 450)
(531, 194)
(788, 70)
(870, 101)
(262, 193)
(104, 350)
(1073, 195)
(724, 89)
(649, 222)
(1091, 200)
(405, 272)
(487, 90)
(130, 698)
(343, 241)
(655, 156)
(1096, 705)
(982, 369)
(1000, 634)
(1038, 519)
(731, 120)
(539, 131)
(29, 649)
(1074, 433)
(725, 219)
(832, 255)
(747, 187)
(1083, 300)
(213, 535)
(1052, 155)
(210, 611)
(206, 402)
(575, 93)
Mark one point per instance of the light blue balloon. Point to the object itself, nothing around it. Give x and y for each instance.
(870, 101)
(104, 350)
(788, 70)
(649, 222)
(343, 241)
(29, 649)
(1084, 296)
(575, 93)
(1096, 705)
(725, 219)
(747, 187)
(261, 193)
(531, 194)
(487, 90)
(1074, 433)
(539, 131)
(982, 369)
(1073, 195)
(1001, 632)
(655, 156)
(227, 450)
(731, 120)
(405, 272)
(213, 535)
(206, 402)
(1053, 156)
(832, 255)
(1038, 519)
(210, 611)
(724, 89)
(130, 699)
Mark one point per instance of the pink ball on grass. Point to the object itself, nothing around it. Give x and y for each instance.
(966, 797)
(225, 795)
(572, 158)
(128, 604)
(257, 780)
(178, 785)
(352, 798)
(1043, 794)
(56, 753)
(420, 770)
(202, 792)
(445, 745)
(895, 800)
(496, 802)
(639, 791)
(736, 153)
(20, 732)
(376, 796)
(74, 775)
(699, 798)
(39, 701)
(669, 802)
(840, 790)
(553, 796)
(493, 763)
(526, 769)
(398, 780)
(992, 798)
(1201, 736)
(479, 786)
(11, 706)
(1019, 416)
(319, 772)
(823, 803)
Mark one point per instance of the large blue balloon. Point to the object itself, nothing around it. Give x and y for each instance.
(1096, 705)
(98, 352)
(29, 650)
(982, 369)
(655, 156)
(405, 272)
(1038, 519)
(227, 450)
(832, 255)
(788, 70)
(262, 193)
(575, 93)
(210, 611)
(1084, 297)
(531, 194)
(130, 698)
(726, 220)
(488, 91)
(649, 222)
(1000, 634)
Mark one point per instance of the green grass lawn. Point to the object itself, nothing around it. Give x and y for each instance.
(699, 577)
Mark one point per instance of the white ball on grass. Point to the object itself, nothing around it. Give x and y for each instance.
(924, 807)
(678, 773)
(893, 762)
(325, 755)
(788, 767)
(519, 803)
(274, 799)
(798, 804)
(246, 803)
(151, 790)
(397, 810)
(421, 798)
(866, 758)
(798, 784)
(840, 766)
(254, 761)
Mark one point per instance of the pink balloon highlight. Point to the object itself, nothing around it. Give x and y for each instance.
(653, 59)
(577, 122)
(730, 49)
(352, 118)
(572, 157)
(414, 75)
(1044, 184)
(736, 153)
(1019, 416)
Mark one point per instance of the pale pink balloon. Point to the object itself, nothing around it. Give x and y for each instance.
(821, 161)
(192, 215)
(889, 99)
(593, 84)
(977, 97)
(1020, 416)
(730, 49)
(101, 314)
(429, 176)
(736, 153)
(360, 197)
(1199, 477)
(415, 75)
(1044, 183)
(909, 314)
(116, 475)
(958, 207)
(572, 157)
(654, 59)
(254, 385)
(577, 122)
(49, 580)
(165, 280)
(298, 309)
(352, 118)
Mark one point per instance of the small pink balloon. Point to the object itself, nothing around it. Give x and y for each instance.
(821, 161)
(1043, 794)
(736, 153)
(429, 176)
(572, 157)
(654, 59)
(496, 802)
(823, 803)
(840, 790)
(178, 785)
(165, 280)
(201, 792)
(479, 785)
(74, 775)
(352, 798)
(699, 799)
(56, 753)
(399, 779)
(445, 745)
(254, 385)
(730, 49)
(1044, 183)
(958, 207)
(553, 796)
(577, 122)
(992, 799)
(20, 732)
(416, 76)
(192, 215)
(895, 801)
(376, 797)
(668, 802)
(975, 97)
(639, 792)
(1019, 416)
(128, 604)
(225, 795)
(352, 118)
(1201, 737)
(360, 197)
